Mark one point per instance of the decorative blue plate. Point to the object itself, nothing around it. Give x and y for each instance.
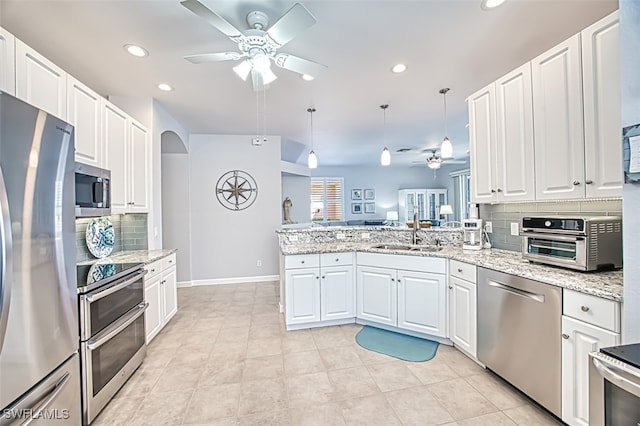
(100, 237)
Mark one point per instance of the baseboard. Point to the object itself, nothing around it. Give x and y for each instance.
(238, 280)
(181, 284)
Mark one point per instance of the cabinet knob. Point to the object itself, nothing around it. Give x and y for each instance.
(493, 191)
(499, 190)
(588, 181)
(323, 277)
(302, 261)
(171, 261)
(576, 183)
(337, 259)
(584, 308)
(399, 280)
(393, 280)
(565, 336)
(153, 270)
(460, 270)
(450, 287)
(317, 277)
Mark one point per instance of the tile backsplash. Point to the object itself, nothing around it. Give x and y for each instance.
(502, 215)
(130, 231)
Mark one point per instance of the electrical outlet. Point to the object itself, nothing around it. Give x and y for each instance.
(341, 236)
(366, 235)
(514, 229)
(259, 263)
(488, 227)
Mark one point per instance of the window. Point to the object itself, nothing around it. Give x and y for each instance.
(462, 194)
(327, 199)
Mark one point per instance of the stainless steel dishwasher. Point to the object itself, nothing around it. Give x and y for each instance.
(519, 328)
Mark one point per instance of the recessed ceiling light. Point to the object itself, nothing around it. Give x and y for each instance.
(491, 4)
(398, 68)
(136, 50)
(165, 87)
(307, 77)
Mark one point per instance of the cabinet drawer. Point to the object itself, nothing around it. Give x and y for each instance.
(436, 265)
(462, 270)
(336, 259)
(169, 261)
(592, 309)
(153, 269)
(302, 261)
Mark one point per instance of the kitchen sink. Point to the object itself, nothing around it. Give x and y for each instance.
(408, 247)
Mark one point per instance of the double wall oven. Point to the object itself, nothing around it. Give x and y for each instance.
(112, 330)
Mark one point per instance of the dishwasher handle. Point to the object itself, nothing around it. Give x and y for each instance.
(517, 291)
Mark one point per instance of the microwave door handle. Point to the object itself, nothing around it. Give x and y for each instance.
(59, 386)
(556, 237)
(6, 262)
(97, 295)
(617, 377)
(98, 191)
(108, 334)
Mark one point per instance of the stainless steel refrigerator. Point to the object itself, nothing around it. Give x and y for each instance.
(39, 368)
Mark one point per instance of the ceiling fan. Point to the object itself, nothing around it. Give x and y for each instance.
(258, 46)
(434, 161)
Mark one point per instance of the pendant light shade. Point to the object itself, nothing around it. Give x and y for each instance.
(385, 157)
(312, 161)
(446, 149)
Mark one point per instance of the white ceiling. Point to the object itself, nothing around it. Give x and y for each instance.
(447, 43)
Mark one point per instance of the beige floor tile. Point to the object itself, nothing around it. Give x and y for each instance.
(370, 357)
(501, 394)
(260, 331)
(461, 364)
(190, 356)
(530, 415)
(433, 371)
(200, 340)
(320, 415)
(262, 396)
(340, 357)
(181, 377)
(214, 402)
(352, 383)
(266, 367)
(493, 419)
(369, 410)
(393, 376)
(237, 348)
(141, 383)
(350, 331)
(298, 341)
(264, 347)
(460, 399)
(277, 418)
(119, 411)
(233, 335)
(222, 371)
(159, 409)
(417, 406)
(329, 337)
(309, 389)
(298, 363)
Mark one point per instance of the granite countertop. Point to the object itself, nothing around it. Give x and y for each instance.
(132, 256)
(607, 285)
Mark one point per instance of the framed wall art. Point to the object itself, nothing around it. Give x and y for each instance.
(369, 207)
(356, 194)
(356, 208)
(369, 194)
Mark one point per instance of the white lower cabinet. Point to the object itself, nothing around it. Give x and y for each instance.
(161, 293)
(463, 310)
(422, 302)
(319, 289)
(377, 295)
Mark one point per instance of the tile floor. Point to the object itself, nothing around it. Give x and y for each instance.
(226, 359)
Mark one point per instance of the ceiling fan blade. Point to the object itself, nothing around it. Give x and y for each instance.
(212, 18)
(299, 65)
(213, 57)
(454, 161)
(296, 20)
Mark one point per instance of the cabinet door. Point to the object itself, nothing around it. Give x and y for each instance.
(170, 294)
(7, 62)
(422, 299)
(435, 199)
(514, 136)
(139, 168)
(602, 117)
(377, 295)
(116, 158)
(558, 125)
(302, 297)
(579, 339)
(84, 112)
(153, 315)
(40, 82)
(463, 315)
(482, 135)
(337, 293)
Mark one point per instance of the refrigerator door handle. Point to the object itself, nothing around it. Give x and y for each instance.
(53, 394)
(6, 264)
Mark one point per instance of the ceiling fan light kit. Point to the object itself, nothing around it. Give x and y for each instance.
(258, 45)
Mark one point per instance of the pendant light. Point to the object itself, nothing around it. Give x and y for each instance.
(385, 157)
(313, 159)
(446, 149)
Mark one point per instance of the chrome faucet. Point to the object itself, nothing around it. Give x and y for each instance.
(416, 226)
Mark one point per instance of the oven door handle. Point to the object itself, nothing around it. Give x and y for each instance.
(115, 328)
(617, 377)
(555, 237)
(57, 388)
(99, 294)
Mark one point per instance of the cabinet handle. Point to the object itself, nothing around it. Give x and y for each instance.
(460, 270)
(584, 308)
(576, 183)
(588, 181)
(565, 336)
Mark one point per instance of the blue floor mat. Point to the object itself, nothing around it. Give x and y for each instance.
(397, 345)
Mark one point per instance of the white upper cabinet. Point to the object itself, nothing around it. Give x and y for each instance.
(602, 116)
(7, 62)
(116, 131)
(40, 82)
(558, 125)
(514, 136)
(139, 162)
(482, 144)
(85, 113)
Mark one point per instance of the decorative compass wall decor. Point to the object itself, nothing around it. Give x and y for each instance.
(236, 190)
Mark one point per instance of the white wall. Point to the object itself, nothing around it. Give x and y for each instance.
(630, 64)
(226, 244)
(386, 181)
(298, 189)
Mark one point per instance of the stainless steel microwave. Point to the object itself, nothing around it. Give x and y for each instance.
(93, 191)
